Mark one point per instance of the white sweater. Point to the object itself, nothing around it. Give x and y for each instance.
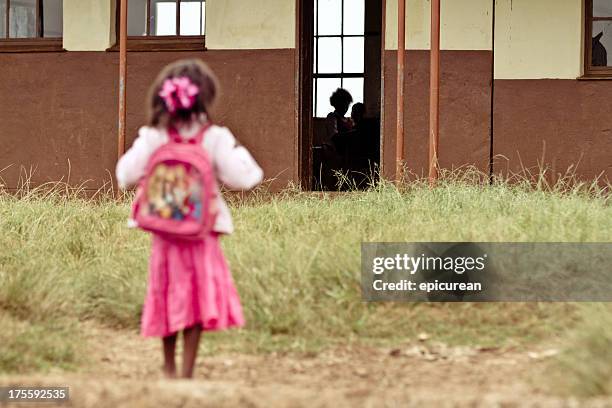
(234, 166)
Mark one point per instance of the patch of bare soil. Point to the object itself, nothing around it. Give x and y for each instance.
(125, 372)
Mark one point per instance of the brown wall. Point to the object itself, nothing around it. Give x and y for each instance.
(559, 123)
(465, 105)
(62, 107)
(56, 109)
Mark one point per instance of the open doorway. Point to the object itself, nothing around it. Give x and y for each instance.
(340, 48)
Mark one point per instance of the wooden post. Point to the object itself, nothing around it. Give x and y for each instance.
(122, 76)
(401, 46)
(434, 92)
(492, 112)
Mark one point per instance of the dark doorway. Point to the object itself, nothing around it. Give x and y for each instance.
(340, 47)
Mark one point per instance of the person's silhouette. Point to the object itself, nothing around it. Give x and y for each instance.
(357, 115)
(336, 123)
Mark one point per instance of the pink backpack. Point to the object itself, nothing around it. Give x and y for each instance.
(177, 195)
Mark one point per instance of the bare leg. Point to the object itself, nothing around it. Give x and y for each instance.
(191, 337)
(169, 350)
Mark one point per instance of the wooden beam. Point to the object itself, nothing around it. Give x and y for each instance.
(122, 77)
(434, 92)
(401, 46)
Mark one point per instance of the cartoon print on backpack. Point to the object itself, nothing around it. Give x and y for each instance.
(175, 192)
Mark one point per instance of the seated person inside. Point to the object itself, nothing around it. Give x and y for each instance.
(357, 115)
(336, 123)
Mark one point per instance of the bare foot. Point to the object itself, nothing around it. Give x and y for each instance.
(191, 337)
(169, 372)
(169, 345)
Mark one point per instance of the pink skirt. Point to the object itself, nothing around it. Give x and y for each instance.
(189, 284)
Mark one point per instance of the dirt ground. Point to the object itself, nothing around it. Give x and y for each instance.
(125, 372)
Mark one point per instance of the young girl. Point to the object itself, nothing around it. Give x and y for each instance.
(190, 286)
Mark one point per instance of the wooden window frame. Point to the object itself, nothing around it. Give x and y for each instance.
(33, 44)
(152, 43)
(591, 72)
(336, 75)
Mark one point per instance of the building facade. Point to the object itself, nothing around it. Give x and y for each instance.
(518, 82)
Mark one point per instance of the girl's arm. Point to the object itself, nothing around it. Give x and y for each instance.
(235, 166)
(131, 166)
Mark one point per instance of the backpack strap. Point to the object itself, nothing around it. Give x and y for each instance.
(199, 137)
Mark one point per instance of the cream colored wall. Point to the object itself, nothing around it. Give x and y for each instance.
(250, 24)
(466, 24)
(89, 25)
(533, 39)
(538, 39)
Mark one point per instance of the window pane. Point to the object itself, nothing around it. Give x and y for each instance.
(137, 18)
(163, 17)
(22, 23)
(192, 17)
(325, 88)
(2, 18)
(354, 17)
(602, 8)
(353, 55)
(314, 57)
(355, 87)
(602, 43)
(330, 55)
(52, 18)
(330, 17)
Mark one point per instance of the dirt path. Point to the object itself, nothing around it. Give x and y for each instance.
(125, 373)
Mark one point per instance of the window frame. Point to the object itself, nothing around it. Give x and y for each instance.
(32, 44)
(589, 70)
(155, 43)
(341, 75)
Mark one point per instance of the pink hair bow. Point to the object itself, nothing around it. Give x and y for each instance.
(178, 93)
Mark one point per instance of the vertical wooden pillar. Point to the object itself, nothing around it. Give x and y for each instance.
(401, 47)
(434, 92)
(122, 77)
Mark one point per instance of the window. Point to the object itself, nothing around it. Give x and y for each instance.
(339, 44)
(25, 23)
(598, 56)
(166, 24)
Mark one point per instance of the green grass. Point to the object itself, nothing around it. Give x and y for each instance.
(585, 366)
(41, 345)
(295, 259)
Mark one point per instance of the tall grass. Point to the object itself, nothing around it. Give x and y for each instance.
(295, 259)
